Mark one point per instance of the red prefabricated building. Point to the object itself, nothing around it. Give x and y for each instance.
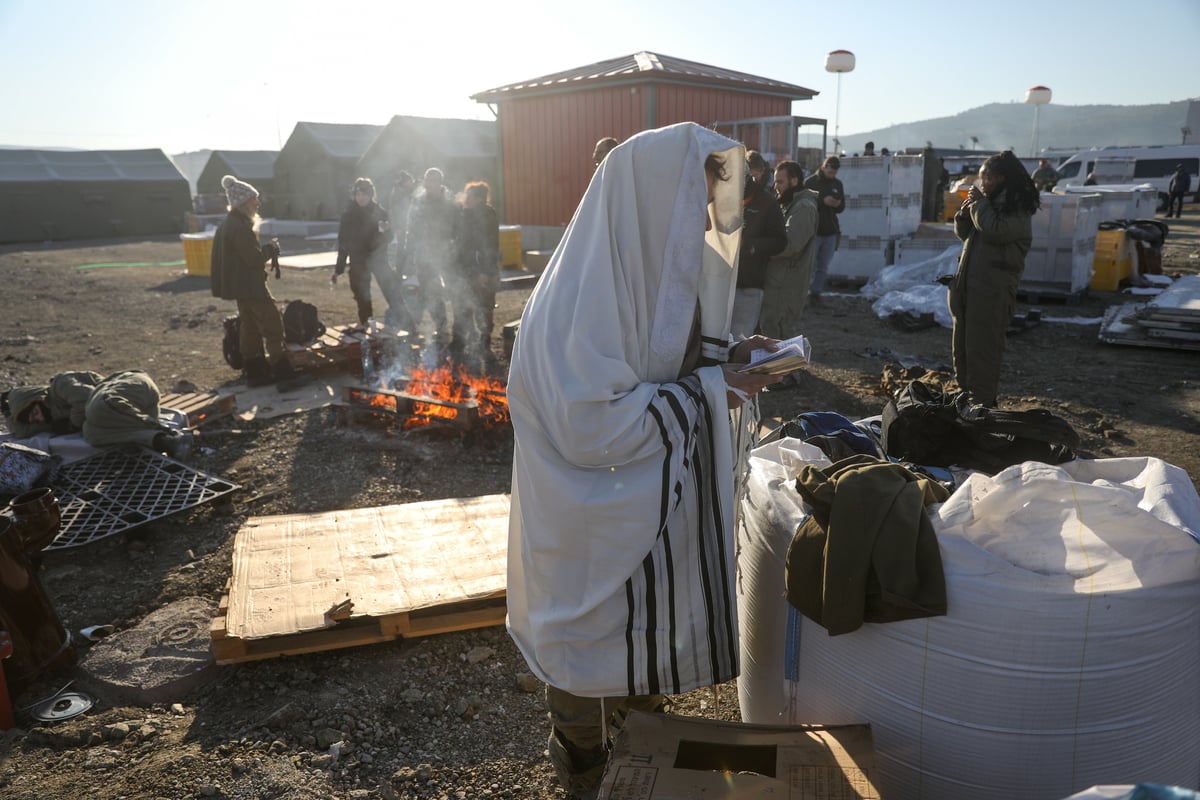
(548, 125)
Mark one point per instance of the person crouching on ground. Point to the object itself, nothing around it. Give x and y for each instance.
(620, 556)
(239, 273)
(995, 224)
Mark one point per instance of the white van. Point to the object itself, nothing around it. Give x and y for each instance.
(1131, 165)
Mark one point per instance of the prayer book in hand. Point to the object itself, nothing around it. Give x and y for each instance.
(792, 354)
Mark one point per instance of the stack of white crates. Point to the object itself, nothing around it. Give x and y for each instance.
(883, 204)
(1059, 262)
(930, 241)
(1121, 201)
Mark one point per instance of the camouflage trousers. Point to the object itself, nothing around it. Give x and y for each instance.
(581, 729)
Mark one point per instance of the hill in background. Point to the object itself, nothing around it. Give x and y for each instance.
(999, 126)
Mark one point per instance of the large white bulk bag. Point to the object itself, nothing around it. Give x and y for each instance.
(1067, 659)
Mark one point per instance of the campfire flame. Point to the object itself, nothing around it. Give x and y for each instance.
(382, 401)
(430, 395)
(455, 385)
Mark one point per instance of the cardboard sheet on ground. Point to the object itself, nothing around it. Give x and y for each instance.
(288, 570)
(661, 757)
(267, 402)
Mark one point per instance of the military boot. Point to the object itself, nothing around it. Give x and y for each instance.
(579, 771)
(286, 376)
(258, 371)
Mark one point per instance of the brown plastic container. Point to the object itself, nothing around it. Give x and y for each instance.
(36, 518)
(40, 642)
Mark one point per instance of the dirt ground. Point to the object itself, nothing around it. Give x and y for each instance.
(449, 716)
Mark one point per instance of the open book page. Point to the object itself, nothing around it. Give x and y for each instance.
(792, 354)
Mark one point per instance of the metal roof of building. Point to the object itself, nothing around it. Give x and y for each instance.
(465, 138)
(86, 165)
(249, 165)
(339, 140)
(642, 67)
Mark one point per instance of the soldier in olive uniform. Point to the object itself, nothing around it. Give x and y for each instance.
(120, 409)
(1044, 177)
(239, 273)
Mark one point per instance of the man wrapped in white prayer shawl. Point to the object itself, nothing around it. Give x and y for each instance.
(620, 555)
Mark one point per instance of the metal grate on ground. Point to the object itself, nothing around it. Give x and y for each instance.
(120, 489)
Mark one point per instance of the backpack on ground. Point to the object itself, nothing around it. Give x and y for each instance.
(231, 342)
(301, 324)
(927, 426)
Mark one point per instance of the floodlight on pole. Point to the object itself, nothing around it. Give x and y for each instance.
(1036, 96)
(838, 61)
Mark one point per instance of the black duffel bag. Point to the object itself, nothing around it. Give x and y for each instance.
(926, 426)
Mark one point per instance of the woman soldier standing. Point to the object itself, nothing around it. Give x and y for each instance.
(995, 225)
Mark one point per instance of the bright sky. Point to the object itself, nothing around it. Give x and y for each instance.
(215, 74)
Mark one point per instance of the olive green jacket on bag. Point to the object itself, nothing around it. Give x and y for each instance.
(868, 552)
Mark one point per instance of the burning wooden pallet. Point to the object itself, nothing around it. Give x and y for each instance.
(408, 407)
(439, 396)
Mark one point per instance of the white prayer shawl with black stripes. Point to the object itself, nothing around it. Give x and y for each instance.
(620, 558)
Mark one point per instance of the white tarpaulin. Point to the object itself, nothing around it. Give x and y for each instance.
(1066, 659)
(913, 288)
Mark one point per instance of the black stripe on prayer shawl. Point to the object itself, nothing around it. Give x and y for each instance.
(648, 572)
(719, 566)
(630, 677)
(658, 569)
(691, 388)
(672, 619)
(664, 503)
(688, 426)
(713, 351)
(713, 562)
(651, 609)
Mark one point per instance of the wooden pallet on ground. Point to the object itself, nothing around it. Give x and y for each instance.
(200, 407)
(408, 570)
(339, 346)
(1035, 294)
(1172, 319)
(462, 616)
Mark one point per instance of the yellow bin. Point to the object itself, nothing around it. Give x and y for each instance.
(197, 251)
(1113, 262)
(510, 246)
(953, 201)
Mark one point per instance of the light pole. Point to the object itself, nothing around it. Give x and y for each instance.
(838, 61)
(1037, 96)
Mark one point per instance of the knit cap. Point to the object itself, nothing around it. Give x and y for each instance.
(237, 192)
